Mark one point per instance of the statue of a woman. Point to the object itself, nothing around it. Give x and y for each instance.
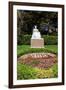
(36, 34)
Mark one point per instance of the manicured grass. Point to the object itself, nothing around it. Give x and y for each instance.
(23, 49)
(28, 72)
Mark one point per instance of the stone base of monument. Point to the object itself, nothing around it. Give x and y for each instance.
(37, 43)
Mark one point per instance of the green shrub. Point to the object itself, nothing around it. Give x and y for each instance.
(44, 73)
(48, 40)
(26, 39)
(23, 39)
(19, 39)
(27, 72)
(55, 70)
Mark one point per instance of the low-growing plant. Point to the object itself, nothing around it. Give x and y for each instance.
(24, 49)
(55, 70)
(44, 73)
(27, 72)
(35, 62)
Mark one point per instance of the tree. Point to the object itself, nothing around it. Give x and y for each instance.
(27, 19)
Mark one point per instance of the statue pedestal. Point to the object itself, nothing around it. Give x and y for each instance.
(37, 43)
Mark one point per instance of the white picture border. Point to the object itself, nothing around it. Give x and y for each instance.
(36, 81)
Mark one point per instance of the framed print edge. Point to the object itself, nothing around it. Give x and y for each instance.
(63, 15)
(10, 45)
(11, 85)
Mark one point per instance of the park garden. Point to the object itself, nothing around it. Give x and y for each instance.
(32, 68)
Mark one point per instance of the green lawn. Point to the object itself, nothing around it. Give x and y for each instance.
(27, 72)
(23, 49)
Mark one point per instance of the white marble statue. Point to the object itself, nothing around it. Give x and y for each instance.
(36, 34)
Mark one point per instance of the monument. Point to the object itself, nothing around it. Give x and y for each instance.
(36, 40)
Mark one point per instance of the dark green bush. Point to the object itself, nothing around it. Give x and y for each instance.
(23, 39)
(48, 40)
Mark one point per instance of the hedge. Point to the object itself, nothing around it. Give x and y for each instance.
(48, 40)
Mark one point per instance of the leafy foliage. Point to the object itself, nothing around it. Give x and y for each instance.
(55, 70)
(28, 72)
(27, 19)
(50, 40)
(25, 72)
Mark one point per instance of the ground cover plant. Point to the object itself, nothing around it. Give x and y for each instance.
(28, 72)
(25, 71)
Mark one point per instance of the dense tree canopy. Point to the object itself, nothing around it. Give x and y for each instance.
(44, 20)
